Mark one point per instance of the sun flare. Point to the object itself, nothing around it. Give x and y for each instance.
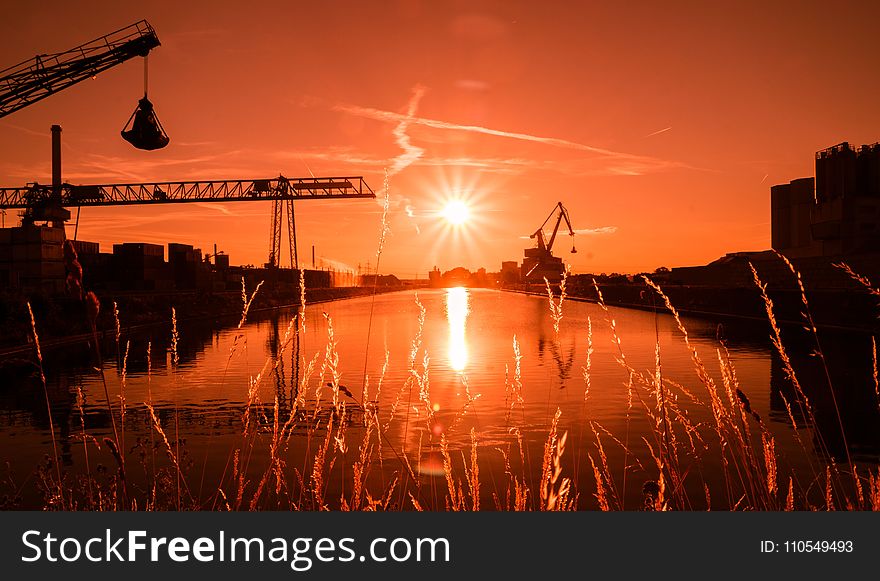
(456, 212)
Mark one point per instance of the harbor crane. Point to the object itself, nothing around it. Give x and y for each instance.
(539, 262)
(35, 79)
(46, 74)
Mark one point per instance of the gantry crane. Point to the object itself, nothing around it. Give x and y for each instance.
(41, 203)
(539, 262)
(49, 203)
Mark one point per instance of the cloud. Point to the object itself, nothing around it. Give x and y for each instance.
(337, 265)
(600, 231)
(615, 162)
(596, 231)
(410, 152)
(216, 207)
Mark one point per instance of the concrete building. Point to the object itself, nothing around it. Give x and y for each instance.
(837, 213)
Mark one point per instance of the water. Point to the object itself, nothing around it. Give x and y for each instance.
(467, 348)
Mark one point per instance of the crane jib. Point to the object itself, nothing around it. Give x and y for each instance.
(37, 78)
(280, 188)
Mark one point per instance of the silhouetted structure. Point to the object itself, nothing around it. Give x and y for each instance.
(835, 214)
(539, 263)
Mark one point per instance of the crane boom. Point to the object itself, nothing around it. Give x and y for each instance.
(539, 263)
(44, 75)
(280, 188)
(539, 233)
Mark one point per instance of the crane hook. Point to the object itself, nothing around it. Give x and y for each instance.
(143, 129)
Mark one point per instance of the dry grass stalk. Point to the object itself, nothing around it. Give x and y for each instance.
(554, 496)
(473, 475)
(556, 305)
(601, 495)
(454, 500)
(874, 369)
(175, 357)
(587, 369)
(157, 425)
(808, 317)
(319, 466)
(829, 490)
(770, 463)
(247, 301)
(57, 460)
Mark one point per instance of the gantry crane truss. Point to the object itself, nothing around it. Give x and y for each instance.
(38, 200)
(46, 74)
(280, 188)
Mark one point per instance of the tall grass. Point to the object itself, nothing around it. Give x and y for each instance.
(339, 450)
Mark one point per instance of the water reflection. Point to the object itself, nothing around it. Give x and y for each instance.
(205, 397)
(457, 310)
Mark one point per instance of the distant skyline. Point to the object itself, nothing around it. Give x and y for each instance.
(660, 126)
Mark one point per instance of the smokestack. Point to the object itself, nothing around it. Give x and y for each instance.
(56, 161)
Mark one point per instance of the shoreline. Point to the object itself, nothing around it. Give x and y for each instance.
(319, 296)
(659, 307)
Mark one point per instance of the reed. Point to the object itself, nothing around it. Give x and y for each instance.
(331, 450)
(59, 486)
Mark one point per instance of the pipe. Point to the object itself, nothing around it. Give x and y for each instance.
(56, 161)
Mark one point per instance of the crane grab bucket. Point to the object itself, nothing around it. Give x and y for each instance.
(143, 129)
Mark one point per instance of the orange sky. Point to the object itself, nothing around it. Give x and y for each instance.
(661, 126)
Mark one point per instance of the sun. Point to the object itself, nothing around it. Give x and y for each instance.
(456, 212)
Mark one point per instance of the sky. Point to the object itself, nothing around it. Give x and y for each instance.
(659, 125)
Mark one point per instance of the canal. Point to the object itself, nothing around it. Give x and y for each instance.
(423, 377)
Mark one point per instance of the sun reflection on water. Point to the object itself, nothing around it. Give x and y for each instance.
(457, 310)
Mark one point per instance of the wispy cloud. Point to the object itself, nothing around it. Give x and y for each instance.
(600, 231)
(596, 231)
(615, 161)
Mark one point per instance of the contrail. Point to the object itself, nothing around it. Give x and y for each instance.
(664, 130)
(410, 152)
(405, 120)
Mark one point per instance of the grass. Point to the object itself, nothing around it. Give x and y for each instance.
(330, 447)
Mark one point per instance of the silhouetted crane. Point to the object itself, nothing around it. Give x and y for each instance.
(46, 74)
(539, 262)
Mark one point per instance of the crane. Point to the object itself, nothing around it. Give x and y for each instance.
(539, 262)
(46, 74)
(45, 203)
(48, 203)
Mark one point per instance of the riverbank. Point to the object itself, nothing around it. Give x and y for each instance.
(841, 310)
(61, 321)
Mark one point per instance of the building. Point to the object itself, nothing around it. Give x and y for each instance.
(837, 213)
(32, 258)
(139, 266)
(186, 266)
(509, 272)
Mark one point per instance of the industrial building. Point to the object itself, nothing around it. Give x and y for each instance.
(32, 257)
(835, 214)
